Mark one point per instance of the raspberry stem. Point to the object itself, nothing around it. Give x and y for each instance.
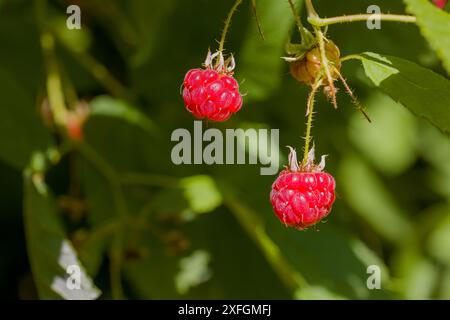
(325, 64)
(310, 8)
(227, 24)
(298, 21)
(321, 22)
(310, 111)
(315, 20)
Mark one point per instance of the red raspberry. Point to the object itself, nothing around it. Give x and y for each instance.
(212, 93)
(303, 197)
(440, 3)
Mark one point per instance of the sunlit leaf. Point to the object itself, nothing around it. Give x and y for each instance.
(434, 24)
(201, 193)
(111, 107)
(380, 70)
(422, 91)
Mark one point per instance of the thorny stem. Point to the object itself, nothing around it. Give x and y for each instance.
(315, 20)
(310, 112)
(324, 63)
(298, 21)
(227, 24)
(355, 101)
(321, 22)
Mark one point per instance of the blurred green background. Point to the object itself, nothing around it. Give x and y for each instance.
(144, 228)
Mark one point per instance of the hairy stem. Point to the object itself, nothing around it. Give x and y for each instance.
(321, 22)
(325, 64)
(227, 24)
(309, 112)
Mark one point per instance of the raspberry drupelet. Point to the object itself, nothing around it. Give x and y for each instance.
(212, 93)
(301, 196)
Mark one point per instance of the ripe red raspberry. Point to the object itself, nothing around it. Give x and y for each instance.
(301, 197)
(440, 3)
(212, 93)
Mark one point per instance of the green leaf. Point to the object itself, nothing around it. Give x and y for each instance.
(422, 91)
(49, 251)
(434, 24)
(378, 68)
(259, 62)
(201, 193)
(111, 107)
(21, 131)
